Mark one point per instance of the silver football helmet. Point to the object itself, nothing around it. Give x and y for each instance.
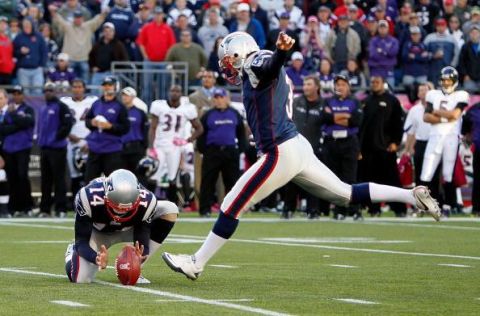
(122, 195)
(232, 52)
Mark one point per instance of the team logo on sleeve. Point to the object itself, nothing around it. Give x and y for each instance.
(79, 208)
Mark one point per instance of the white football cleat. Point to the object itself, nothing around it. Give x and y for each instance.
(426, 203)
(143, 280)
(69, 252)
(183, 264)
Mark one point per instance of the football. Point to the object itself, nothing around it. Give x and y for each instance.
(128, 266)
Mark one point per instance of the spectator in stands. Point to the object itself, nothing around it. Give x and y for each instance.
(343, 10)
(456, 31)
(30, 51)
(296, 72)
(54, 125)
(324, 22)
(342, 44)
(202, 98)
(107, 121)
(17, 133)
(181, 8)
(403, 23)
(326, 77)
(380, 135)
(297, 20)
(283, 27)
(415, 58)
(428, 12)
(356, 78)
(213, 61)
(7, 64)
(383, 50)
(390, 10)
(442, 48)
(245, 23)
(52, 45)
(312, 44)
(260, 14)
(135, 141)
(78, 38)
(180, 25)
(61, 75)
(415, 21)
(105, 51)
(448, 9)
(211, 30)
(462, 11)
(154, 41)
(474, 19)
(221, 143)
(191, 53)
(381, 15)
(14, 28)
(67, 10)
(358, 27)
(35, 14)
(122, 17)
(469, 61)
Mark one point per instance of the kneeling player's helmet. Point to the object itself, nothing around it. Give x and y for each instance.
(79, 159)
(448, 79)
(232, 52)
(122, 195)
(148, 166)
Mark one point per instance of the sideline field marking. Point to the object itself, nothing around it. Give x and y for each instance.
(356, 301)
(337, 240)
(217, 300)
(194, 299)
(384, 251)
(454, 265)
(70, 303)
(225, 266)
(342, 266)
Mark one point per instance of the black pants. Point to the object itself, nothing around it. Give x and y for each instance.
(102, 163)
(216, 160)
(53, 164)
(16, 167)
(293, 192)
(132, 153)
(381, 167)
(341, 156)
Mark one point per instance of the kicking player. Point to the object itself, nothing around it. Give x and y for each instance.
(287, 155)
(169, 120)
(444, 110)
(113, 210)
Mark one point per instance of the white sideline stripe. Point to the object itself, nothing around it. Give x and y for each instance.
(422, 254)
(342, 266)
(223, 266)
(423, 225)
(39, 242)
(70, 303)
(454, 265)
(355, 301)
(219, 300)
(256, 310)
(337, 240)
(36, 225)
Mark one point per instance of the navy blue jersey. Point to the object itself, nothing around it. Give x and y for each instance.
(268, 99)
(91, 213)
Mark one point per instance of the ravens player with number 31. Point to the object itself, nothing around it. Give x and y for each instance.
(267, 97)
(111, 210)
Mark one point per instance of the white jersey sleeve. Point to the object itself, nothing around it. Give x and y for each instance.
(190, 112)
(156, 107)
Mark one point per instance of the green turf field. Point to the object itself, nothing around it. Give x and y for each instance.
(271, 267)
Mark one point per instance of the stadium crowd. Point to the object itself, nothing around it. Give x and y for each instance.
(346, 52)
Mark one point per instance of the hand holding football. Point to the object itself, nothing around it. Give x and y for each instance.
(128, 266)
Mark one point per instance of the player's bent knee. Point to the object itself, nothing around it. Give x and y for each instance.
(165, 208)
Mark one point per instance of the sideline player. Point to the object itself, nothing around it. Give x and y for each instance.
(444, 110)
(286, 154)
(113, 210)
(167, 127)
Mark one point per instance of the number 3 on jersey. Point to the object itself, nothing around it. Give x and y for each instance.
(289, 105)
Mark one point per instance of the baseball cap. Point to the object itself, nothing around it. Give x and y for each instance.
(296, 56)
(474, 27)
(379, 8)
(110, 25)
(341, 77)
(63, 56)
(129, 91)
(158, 10)
(441, 21)
(371, 19)
(343, 17)
(220, 92)
(109, 80)
(324, 8)
(414, 29)
(17, 88)
(214, 2)
(352, 7)
(49, 86)
(77, 14)
(449, 2)
(243, 7)
(383, 23)
(285, 15)
(3, 18)
(312, 18)
(475, 10)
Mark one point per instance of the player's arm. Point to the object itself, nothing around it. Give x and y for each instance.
(452, 115)
(152, 130)
(198, 129)
(141, 239)
(122, 125)
(428, 116)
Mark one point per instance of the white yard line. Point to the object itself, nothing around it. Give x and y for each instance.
(70, 303)
(355, 301)
(342, 266)
(217, 300)
(454, 265)
(222, 266)
(194, 299)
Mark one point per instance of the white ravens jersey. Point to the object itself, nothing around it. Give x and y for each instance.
(79, 109)
(448, 102)
(172, 122)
